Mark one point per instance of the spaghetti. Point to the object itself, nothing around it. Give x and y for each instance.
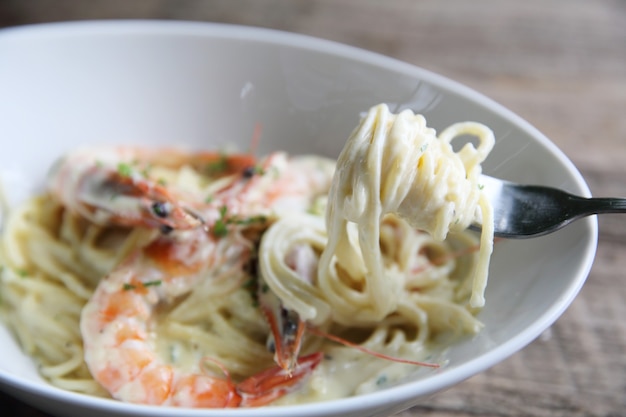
(367, 249)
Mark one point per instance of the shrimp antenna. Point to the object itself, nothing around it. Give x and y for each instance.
(349, 344)
(207, 360)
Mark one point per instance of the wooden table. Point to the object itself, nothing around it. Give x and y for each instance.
(559, 64)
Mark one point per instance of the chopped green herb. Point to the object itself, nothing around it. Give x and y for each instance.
(217, 166)
(208, 199)
(250, 284)
(220, 229)
(124, 170)
(128, 286)
(259, 170)
(146, 171)
(162, 182)
(424, 147)
(318, 207)
(381, 380)
(481, 186)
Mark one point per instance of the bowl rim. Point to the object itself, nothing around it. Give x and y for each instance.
(393, 395)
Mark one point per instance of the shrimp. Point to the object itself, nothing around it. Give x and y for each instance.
(278, 185)
(112, 185)
(117, 321)
(116, 327)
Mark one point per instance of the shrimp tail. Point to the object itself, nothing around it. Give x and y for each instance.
(273, 383)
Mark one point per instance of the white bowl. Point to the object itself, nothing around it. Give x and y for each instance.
(64, 85)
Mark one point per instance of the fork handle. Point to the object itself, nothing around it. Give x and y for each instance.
(588, 206)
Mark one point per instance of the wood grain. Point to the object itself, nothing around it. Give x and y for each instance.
(562, 66)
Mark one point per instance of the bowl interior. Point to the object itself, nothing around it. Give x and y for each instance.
(207, 86)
